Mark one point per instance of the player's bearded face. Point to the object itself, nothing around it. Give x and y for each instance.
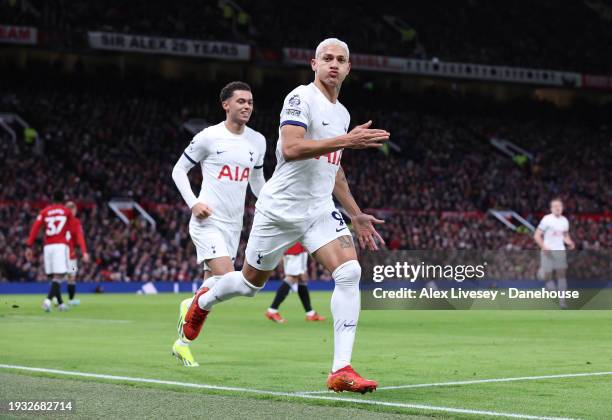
(239, 106)
(332, 65)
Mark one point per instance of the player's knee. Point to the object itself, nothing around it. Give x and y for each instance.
(347, 274)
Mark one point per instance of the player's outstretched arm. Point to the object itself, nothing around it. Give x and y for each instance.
(296, 147)
(363, 224)
(179, 175)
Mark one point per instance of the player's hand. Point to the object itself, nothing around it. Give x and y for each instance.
(545, 249)
(86, 258)
(201, 211)
(571, 245)
(363, 225)
(29, 254)
(364, 137)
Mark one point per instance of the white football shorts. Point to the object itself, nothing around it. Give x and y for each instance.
(295, 265)
(269, 238)
(212, 240)
(56, 258)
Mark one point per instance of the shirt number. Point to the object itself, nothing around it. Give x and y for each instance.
(55, 224)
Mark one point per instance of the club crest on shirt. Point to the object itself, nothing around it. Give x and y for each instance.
(295, 100)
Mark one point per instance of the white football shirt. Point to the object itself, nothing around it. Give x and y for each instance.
(554, 228)
(227, 161)
(302, 190)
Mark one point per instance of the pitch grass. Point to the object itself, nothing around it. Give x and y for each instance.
(131, 335)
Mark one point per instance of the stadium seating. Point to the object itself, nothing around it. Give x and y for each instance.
(546, 34)
(128, 140)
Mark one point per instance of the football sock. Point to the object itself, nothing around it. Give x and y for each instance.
(210, 282)
(51, 293)
(345, 305)
(181, 342)
(304, 297)
(230, 285)
(71, 291)
(56, 291)
(562, 283)
(281, 294)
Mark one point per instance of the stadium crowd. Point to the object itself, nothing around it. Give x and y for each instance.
(547, 34)
(433, 187)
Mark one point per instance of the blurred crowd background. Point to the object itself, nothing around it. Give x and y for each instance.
(119, 134)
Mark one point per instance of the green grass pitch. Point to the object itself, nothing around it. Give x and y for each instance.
(131, 336)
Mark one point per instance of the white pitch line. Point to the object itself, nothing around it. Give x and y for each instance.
(476, 381)
(282, 394)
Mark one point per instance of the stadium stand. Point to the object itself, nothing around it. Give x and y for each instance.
(572, 36)
(434, 188)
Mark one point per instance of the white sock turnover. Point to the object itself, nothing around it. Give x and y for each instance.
(210, 282)
(230, 285)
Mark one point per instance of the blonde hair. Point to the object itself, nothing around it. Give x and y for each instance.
(331, 41)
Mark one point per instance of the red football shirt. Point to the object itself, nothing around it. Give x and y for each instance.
(76, 238)
(57, 220)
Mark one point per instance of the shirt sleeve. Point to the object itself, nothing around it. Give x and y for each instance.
(34, 231)
(198, 148)
(257, 180)
(543, 225)
(80, 237)
(180, 178)
(262, 152)
(296, 110)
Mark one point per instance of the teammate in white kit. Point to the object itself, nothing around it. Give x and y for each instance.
(230, 155)
(296, 204)
(551, 236)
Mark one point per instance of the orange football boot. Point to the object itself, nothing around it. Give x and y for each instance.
(346, 379)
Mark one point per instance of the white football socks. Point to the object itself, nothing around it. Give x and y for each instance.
(210, 282)
(230, 285)
(345, 306)
(182, 342)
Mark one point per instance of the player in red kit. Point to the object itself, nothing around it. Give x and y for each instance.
(76, 238)
(57, 220)
(295, 262)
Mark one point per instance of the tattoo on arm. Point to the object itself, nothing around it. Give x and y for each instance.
(345, 242)
(345, 181)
